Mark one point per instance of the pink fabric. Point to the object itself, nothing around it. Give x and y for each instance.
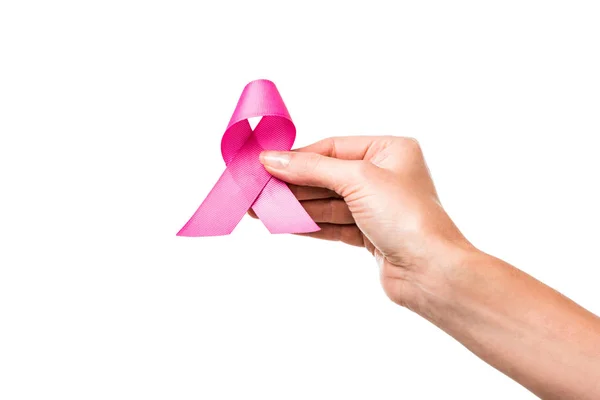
(245, 183)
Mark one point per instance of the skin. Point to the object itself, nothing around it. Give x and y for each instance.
(376, 192)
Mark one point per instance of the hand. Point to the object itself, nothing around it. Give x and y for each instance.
(375, 192)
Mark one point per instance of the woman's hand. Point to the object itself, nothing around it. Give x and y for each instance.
(375, 192)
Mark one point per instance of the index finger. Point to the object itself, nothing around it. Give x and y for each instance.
(346, 147)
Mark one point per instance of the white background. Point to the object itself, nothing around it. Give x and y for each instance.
(111, 116)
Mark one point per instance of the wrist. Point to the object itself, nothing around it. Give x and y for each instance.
(513, 322)
(447, 282)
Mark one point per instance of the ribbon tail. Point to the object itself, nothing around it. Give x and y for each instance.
(280, 211)
(221, 210)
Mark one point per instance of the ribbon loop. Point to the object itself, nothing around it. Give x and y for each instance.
(245, 183)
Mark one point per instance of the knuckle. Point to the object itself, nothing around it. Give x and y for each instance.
(328, 211)
(332, 151)
(340, 211)
(358, 173)
(410, 143)
(410, 149)
(363, 169)
(311, 163)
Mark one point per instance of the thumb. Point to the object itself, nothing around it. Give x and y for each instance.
(311, 169)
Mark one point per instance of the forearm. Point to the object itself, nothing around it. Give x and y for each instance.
(390, 205)
(520, 326)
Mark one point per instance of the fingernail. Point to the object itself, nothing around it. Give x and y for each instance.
(275, 159)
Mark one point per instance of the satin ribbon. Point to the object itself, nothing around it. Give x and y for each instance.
(245, 183)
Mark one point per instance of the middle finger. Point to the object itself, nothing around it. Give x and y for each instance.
(312, 193)
(332, 211)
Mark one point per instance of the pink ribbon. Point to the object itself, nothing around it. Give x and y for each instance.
(245, 183)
